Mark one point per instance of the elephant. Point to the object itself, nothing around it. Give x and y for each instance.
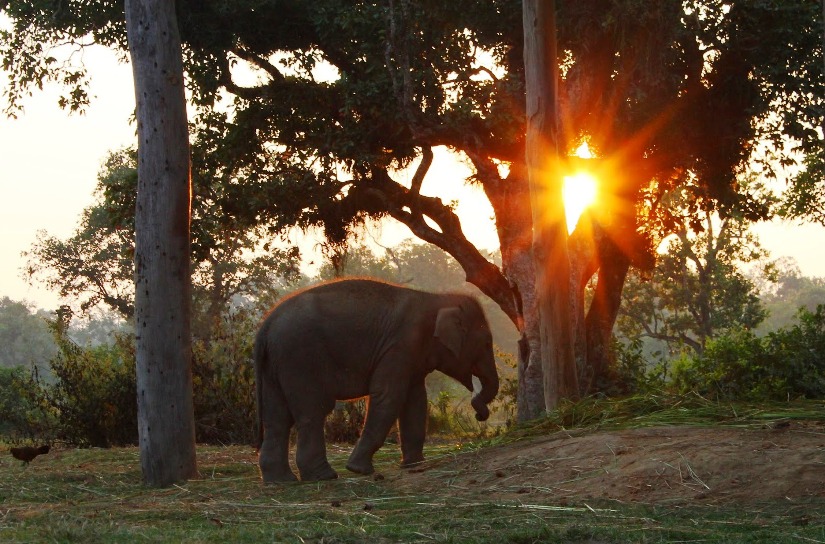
(356, 338)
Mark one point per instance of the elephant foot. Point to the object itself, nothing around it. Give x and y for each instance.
(412, 461)
(360, 467)
(279, 477)
(327, 473)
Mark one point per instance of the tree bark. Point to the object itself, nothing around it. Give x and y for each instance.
(510, 199)
(162, 270)
(604, 309)
(550, 257)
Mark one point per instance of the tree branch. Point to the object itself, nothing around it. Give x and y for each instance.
(411, 209)
(423, 168)
(258, 61)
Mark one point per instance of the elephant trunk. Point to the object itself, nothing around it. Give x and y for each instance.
(489, 390)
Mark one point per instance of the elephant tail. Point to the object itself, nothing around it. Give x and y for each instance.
(259, 358)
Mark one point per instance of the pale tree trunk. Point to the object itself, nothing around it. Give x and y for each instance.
(166, 427)
(514, 224)
(552, 264)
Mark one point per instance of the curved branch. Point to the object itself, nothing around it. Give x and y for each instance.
(411, 209)
(258, 61)
(421, 171)
(247, 93)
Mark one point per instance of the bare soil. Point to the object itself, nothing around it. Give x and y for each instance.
(718, 465)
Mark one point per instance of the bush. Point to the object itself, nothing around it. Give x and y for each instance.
(788, 363)
(632, 375)
(224, 382)
(22, 417)
(344, 424)
(92, 392)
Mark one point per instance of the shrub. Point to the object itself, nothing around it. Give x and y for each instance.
(22, 416)
(224, 381)
(92, 392)
(788, 363)
(344, 424)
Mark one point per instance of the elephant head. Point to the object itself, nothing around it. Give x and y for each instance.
(463, 330)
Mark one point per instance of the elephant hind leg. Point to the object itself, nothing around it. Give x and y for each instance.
(273, 457)
(311, 453)
(412, 425)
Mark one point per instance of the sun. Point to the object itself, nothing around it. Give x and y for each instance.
(579, 193)
(579, 190)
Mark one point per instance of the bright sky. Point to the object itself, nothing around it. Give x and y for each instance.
(49, 161)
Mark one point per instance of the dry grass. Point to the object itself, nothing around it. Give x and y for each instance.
(93, 495)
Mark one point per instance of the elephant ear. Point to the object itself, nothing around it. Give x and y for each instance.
(449, 329)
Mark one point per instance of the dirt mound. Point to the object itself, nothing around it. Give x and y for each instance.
(651, 465)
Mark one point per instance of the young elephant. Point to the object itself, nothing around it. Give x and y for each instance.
(353, 338)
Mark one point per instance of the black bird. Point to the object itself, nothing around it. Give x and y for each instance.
(27, 453)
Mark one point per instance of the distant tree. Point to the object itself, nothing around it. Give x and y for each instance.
(231, 260)
(698, 289)
(100, 327)
(790, 292)
(24, 335)
(95, 266)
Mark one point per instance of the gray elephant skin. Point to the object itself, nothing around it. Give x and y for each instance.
(358, 338)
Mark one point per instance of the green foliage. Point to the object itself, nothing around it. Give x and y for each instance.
(805, 198)
(92, 393)
(785, 364)
(698, 290)
(22, 417)
(224, 381)
(24, 336)
(633, 375)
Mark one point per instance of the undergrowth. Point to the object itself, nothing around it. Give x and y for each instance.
(96, 495)
(653, 410)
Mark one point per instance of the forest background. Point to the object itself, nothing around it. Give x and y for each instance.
(230, 281)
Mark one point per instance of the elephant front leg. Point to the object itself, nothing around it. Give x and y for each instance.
(412, 425)
(382, 411)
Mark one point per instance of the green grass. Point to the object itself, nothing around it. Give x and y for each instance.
(97, 496)
(594, 413)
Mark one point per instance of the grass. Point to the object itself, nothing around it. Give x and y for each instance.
(93, 495)
(596, 413)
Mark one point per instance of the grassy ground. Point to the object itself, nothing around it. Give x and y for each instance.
(96, 496)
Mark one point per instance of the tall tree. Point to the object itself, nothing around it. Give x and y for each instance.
(166, 425)
(552, 264)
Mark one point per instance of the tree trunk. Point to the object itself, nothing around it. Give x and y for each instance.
(583, 264)
(604, 309)
(510, 199)
(552, 264)
(514, 226)
(162, 270)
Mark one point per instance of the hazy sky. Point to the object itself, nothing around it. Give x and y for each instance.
(49, 161)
